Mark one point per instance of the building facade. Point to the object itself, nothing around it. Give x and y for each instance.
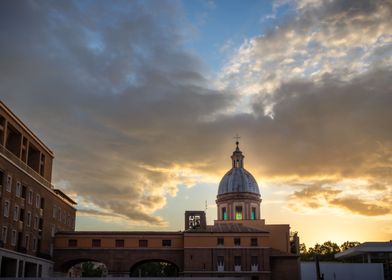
(370, 252)
(38, 237)
(32, 209)
(239, 243)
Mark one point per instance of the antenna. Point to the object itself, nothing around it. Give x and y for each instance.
(206, 206)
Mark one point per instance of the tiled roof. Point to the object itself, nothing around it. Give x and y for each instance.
(364, 248)
(227, 228)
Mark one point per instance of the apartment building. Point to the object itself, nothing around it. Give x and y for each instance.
(32, 209)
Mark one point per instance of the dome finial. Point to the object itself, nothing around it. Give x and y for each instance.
(236, 137)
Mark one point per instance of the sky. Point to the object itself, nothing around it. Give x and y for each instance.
(140, 101)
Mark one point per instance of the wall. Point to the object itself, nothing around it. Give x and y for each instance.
(343, 271)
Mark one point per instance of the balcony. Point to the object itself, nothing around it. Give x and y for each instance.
(15, 159)
(237, 268)
(254, 267)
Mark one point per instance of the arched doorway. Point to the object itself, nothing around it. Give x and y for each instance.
(86, 268)
(154, 268)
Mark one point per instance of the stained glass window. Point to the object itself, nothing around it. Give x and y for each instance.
(224, 213)
(253, 213)
(238, 212)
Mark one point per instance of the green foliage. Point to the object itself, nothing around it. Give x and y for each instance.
(154, 269)
(325, 251)
(89, 269)
(348, 244)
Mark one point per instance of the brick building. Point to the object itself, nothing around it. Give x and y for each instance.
(32, 209)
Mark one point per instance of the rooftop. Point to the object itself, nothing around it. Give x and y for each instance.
(227, 228)
(364, 248)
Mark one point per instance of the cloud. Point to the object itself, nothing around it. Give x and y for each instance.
(111, 89)
(343, 38)
(131, 116)
(347, 197)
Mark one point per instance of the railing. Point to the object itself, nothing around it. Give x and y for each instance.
(25, 167)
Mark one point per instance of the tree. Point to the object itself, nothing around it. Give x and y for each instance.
(325, 251)
(302, 248)
(348, 244)
(90, 269)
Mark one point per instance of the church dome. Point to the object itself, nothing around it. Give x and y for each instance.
(237, 179)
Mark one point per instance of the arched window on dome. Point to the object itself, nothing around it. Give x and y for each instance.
(238, 212)
(224, 213)
(253, 213)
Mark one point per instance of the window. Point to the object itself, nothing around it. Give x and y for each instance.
(13, 238)
(28, 218)
(34, 244)
(253, 242)
(54, 212)
(120, 243)
(253, 260)
(221, 242)
(220, 260)
(238, 212)
(224, 213)
(166, 243)
(253, 213)
(24, 191)
(237, 241)
(53, 230)
(143, 243)
(36, 222)
(237, 260)
(30, 197)
(4, 234)
(8, 186)
(41, 223)
(18, 191)
(37, 200)
(96, 243)
(72, 243)
(21, 214)
(6, 208)
(16, 213)
(27, 241)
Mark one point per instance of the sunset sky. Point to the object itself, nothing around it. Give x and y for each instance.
(140, 101)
